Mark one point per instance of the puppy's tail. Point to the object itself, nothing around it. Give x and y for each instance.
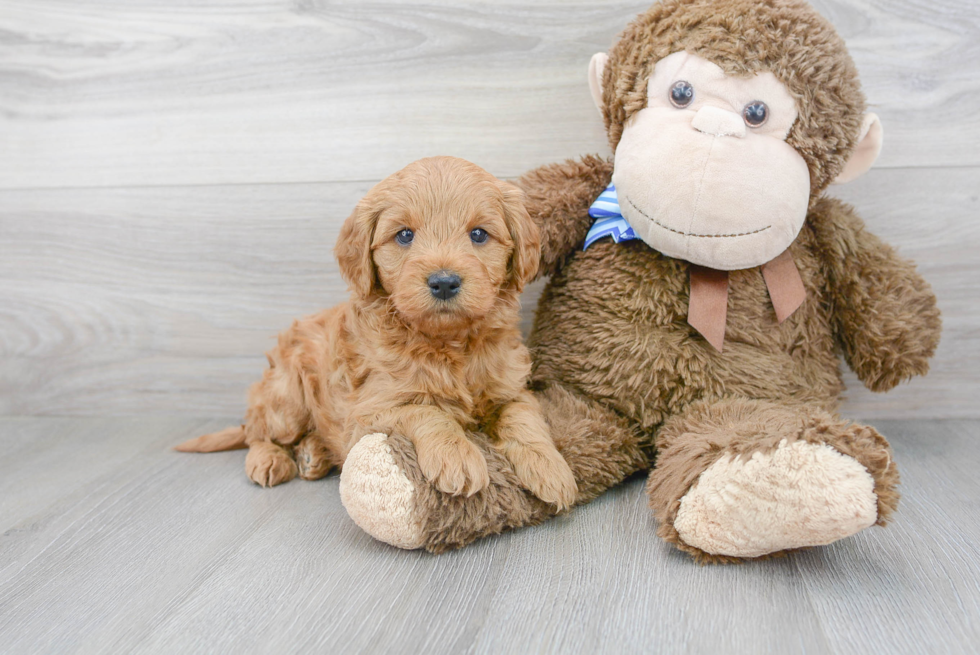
(228, 439)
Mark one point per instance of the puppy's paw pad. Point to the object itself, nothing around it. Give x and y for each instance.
(268, 465)
(378, 495)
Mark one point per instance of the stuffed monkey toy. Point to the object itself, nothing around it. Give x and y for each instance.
(703, 289)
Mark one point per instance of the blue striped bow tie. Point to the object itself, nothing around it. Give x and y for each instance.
(609, 221)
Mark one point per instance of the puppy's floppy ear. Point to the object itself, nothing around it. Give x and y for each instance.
(524, 233)
(353, 249)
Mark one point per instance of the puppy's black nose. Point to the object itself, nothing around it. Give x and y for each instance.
(444, 285)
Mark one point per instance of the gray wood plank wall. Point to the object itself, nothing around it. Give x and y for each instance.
(173, 174)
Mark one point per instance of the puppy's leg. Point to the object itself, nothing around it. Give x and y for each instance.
(277, 416)
(447, 458)
(522, 438)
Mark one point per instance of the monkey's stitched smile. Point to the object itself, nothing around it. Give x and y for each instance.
(691, 234)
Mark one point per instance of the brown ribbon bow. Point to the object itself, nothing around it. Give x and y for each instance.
(708, 307)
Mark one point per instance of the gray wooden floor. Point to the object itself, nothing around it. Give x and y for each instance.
(113, 543)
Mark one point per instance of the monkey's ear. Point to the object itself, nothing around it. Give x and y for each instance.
(353, 249)
(524, 233)
(596, 66)
(866, 151)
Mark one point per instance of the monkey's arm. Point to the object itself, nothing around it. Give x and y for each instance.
(884, 312)
(558, 199)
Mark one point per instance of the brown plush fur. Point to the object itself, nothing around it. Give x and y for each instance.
(558, 197)
(618, 371)
(690, 442)
(397, 360)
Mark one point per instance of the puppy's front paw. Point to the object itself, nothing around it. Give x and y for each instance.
(455, 466)
(544, 472)
(268, 465)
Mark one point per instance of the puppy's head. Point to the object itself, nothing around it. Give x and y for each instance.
(443, 239)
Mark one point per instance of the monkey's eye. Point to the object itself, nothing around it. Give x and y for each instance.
(405, 237)
(479, 235)
(681, 94)
(755, 113)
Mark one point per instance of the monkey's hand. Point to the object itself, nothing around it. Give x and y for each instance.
(885, 313)
(558, 197)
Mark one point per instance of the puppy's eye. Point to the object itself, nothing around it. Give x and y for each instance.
(756, 113)
(479, 235)
(405, 237)
(681, 94)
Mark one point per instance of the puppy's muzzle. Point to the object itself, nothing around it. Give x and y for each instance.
(444, 284)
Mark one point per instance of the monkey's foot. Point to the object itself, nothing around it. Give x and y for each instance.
(798, 495)
(742, 479)
(378, 495)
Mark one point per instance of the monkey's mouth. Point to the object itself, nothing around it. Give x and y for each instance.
(692, 234)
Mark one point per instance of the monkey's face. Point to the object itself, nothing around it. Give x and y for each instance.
(704, 172)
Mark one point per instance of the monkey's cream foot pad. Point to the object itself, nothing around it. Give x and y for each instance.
(798, 495)
(377, 494)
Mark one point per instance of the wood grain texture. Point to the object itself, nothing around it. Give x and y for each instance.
(135, 548)
(163, 232)
(114, 93)
(162, 300)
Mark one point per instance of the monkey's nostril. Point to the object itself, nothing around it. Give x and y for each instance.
(444, 285)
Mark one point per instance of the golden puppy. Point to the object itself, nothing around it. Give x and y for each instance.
(428, 346)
